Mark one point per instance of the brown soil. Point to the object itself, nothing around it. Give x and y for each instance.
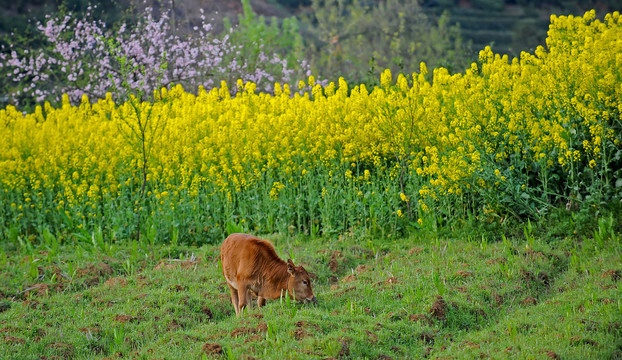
(116, 281)
(372, 337)
(92, 269)
(345, 348)
(13, 340)
(615, 275)
(419, 317)
(544, 278)
(427, 338)
(463, 274)
(529, 301)
(551, 354)
(497, 298)
(470, 345)
(415, 250)
(500, 260)
(333, 264)
(439, 308)
(261, 328)
(177, 288)
(212, 348)
(93, 272)
(362, 268)
(577, 340)
(349, 278)
(173, 325)
(207, 312)
(65, 350)
(391, 280)
(300, 334)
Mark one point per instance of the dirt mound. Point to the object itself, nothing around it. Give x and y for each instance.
(551, 354)
(65, 350)
(333, 264)
(419, 317)
(261, 328)
(207, 312)
(13, 340)
(463, 274)
(391, 280)
(615, 275)
(300, 334)
(92, 269)
(529, 301)
(116, 281)
(212, 349)
(362, 268)
(93, 272)
(439, 308)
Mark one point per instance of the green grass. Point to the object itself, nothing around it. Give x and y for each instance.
(463, 297)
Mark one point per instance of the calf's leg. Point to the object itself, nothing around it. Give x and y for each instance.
(234, 299)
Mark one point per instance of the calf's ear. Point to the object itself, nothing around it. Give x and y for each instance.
(290, 267)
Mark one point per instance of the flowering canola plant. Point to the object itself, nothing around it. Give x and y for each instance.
(509, 136)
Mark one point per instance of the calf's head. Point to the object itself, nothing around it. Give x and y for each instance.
(299, 283)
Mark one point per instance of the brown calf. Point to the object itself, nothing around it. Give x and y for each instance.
(251, 264)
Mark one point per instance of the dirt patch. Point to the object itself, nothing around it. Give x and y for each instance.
(419, 317)
(535, 254)
(544, 279)
(63, 349)
(261, 328)
(439, 308)
(169, 264)
(212, 349)
(345, 347)
(470, 344)
(500, 260)
(127, 318)
(615, 275)
(300, 334)
(391, 280)
(415, 250)
(42, 289)
(207, 312)
(349, 278)
(529, 301)
(372, 337)
(176, 288)
(526, 275)
(13, 340)
(173, 325)
(333, 264)
(498, 299)
(577, 340)
(427, 337)
(116, 282)
(550, 354)
(93, 272)
(362, 268)
(463, 274)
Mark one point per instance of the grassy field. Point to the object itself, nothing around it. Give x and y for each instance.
(467, 296)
